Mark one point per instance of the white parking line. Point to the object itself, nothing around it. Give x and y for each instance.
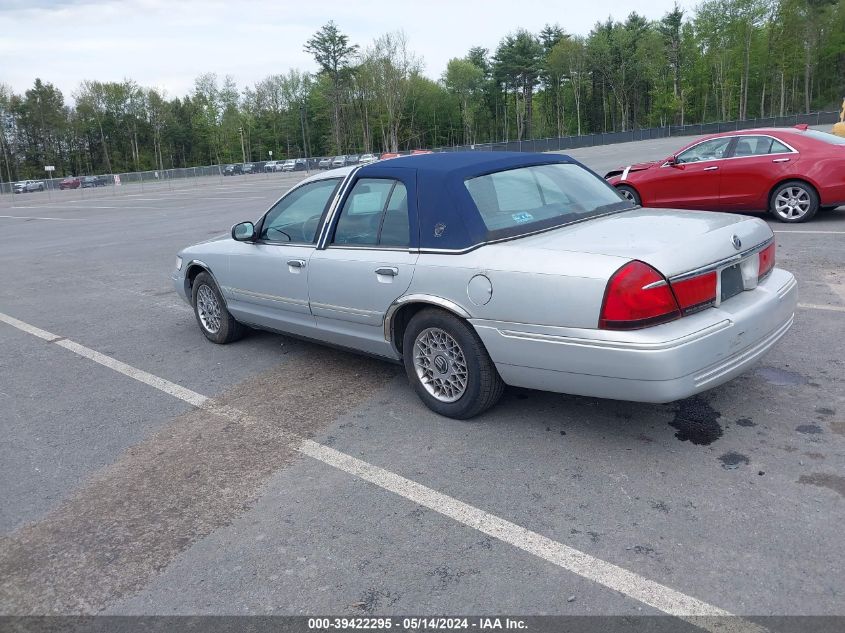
(814, 232)
(612, 576)
(816, 306)
(24, 217)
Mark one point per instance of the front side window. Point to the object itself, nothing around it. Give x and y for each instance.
(708, 150)
(374, 214)
(296, 217)
(541, 195)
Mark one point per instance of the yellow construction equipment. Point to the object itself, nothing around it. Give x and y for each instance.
(839, 128)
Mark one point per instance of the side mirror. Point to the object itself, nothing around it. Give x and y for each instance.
(243, 232)
(672, 161)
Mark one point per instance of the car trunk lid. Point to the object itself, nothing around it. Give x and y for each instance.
(672, 241)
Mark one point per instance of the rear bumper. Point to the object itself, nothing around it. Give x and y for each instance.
(658, 364)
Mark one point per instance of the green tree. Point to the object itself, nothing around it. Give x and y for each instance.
(332, 52)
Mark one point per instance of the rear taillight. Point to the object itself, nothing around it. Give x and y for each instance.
(637, 296)
(696, 293)
(767, 261)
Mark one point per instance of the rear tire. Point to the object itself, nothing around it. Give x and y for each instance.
(629, 193)
(448, 367)
(214, 319)
(794, 201)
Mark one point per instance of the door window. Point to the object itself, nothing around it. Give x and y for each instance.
(708, 150)
(758, 146)
(374, 214)
(296, 217)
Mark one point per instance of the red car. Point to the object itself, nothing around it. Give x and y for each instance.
(71, 182)
(790, 172)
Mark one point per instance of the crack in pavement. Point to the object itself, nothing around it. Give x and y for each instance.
(195, 475)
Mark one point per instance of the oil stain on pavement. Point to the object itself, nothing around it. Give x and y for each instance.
(195, 475)
(696, 421)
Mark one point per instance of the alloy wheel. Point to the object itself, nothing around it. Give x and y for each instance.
(208, 309)
(792, 203)
(440, 364)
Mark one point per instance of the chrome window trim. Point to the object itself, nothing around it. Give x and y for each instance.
(333, 207)
(352, 247)
(792, 150)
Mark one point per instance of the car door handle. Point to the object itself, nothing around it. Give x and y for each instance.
(780, 160)
(296, 263)
(713, 168)
(389, 272)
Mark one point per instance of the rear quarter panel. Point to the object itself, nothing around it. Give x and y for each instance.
(529, 286)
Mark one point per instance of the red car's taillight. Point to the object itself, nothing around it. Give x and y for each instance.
(637, 296)
(696, 293)
(767, 261)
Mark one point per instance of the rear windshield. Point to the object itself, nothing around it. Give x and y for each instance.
(542, 195)
(825, 137)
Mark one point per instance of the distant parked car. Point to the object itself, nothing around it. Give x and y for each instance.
(325, 163)
(89, 182)
(366, 159)
(789, 172)
(420, 151)
(339, 161)
(388, 155)
(273, 165)
(231, 170)
(71, 182)
(27, 186)
(289, 165)
(352, 159)
(249, 168)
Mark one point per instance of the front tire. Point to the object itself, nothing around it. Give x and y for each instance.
(448, 367)
(794, 201)
(214, 319)
(629, 193)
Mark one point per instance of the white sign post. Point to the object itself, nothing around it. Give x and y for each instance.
(49, 169)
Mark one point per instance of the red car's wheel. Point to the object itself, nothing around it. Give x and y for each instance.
(794, 201)
(629, 193)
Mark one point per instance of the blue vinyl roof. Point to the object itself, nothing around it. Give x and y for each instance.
(447, 216)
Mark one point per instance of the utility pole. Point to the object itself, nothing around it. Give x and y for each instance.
(304, 143)
(243, 150)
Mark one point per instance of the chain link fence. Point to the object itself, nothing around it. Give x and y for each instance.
(643, 134)
(169, 179)
(153, 180)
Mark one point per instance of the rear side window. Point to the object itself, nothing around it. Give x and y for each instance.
(540, 194)
(758, 146)
(825, 137)
(375, 214)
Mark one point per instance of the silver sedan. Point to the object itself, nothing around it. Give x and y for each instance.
(480, 270)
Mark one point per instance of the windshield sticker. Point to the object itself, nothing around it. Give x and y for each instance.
(522, 218)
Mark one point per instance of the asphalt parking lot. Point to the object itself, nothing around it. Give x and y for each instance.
(147, 471)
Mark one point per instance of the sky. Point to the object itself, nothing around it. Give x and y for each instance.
(167, 44)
